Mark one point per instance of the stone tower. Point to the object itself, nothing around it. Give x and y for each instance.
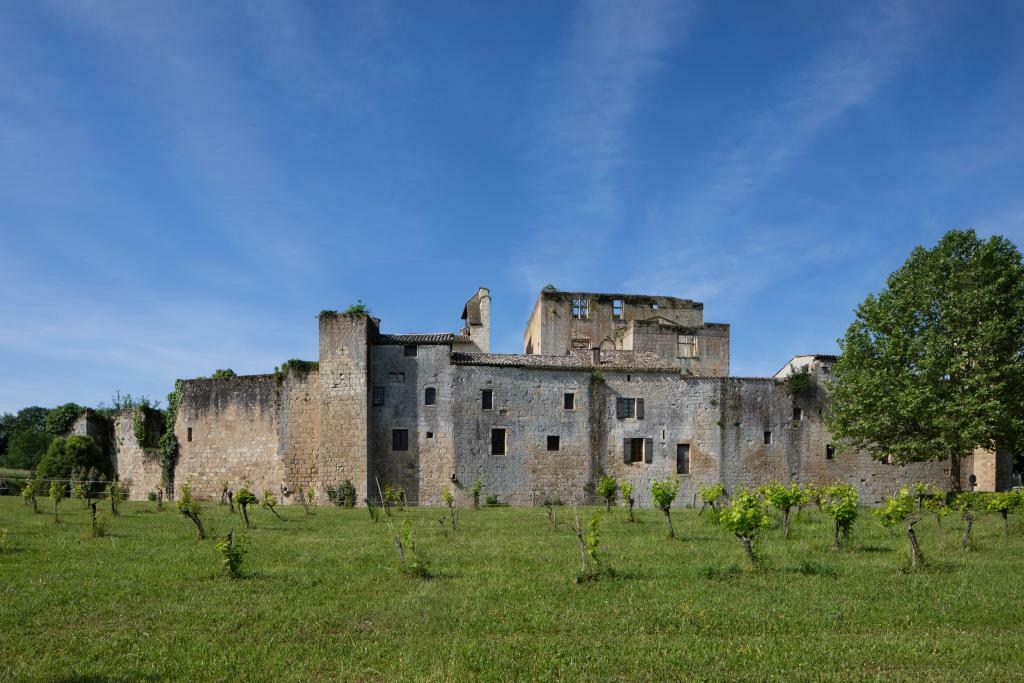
(477, 314)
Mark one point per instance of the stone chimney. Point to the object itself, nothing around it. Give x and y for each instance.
(477, 314)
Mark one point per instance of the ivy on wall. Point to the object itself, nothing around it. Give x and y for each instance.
(61, 419)
(169, 446)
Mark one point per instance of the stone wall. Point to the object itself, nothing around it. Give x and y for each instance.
(299, 426)
(425, 469)
(137, 466)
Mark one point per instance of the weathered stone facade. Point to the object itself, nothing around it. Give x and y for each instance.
(648, 397)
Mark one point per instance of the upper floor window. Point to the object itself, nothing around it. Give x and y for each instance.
(430, 396)
(399, 439)
(487, 399)
(553, 442)
(498, 441)
(569, 401)
(629, 407)
(580, 309)
(654, 305)
(798, 414)
(686, 346)
(767, 438)
(617, 309)
(683, 458)
(830, 451)
(638, 450)
(410, 351)
(378, 396)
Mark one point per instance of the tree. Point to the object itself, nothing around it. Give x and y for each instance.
(23, 438)
(933, 366)
(66, 454)
(61, 419)
(664, 492)
(710, 495)
(606, 489)
(840, 501)
(56, 495)
(784, 499)
(627, 497)
(745, 518)
(189, 507)
(900, 508)
(1004, 503)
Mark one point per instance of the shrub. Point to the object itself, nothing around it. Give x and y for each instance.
(245, 498)
(223, 374)
(61, 419)
(358, 308)
(745, 518)
(30, 493)
(897, 509)
(1004, 503)
(231, 556)
(784, 499)
(664, 492)
(627, 497)
(592, 564)
(966, 503)
(151, 496)
(410, 561)
(343, 496)
(478, 486)
(116, 493)
(393, 495)
(492, 501)
(449, 500)
(798, 382)
(840, 501)
(711, 495)
(606, 487)
(189, 507)
(67, 454)
(57, 491)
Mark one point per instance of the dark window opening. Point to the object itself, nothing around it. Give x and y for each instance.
(683, 458)
(487, 399)
(378, 396)
(410, 351)
(430, 396)
(498, 443)
(189, 433)
(798, 414)
(636, 450)
(767, 438)
(399, 439)
(570, 402)
(629, 407)
(830, 451)
(617, 309)
(430, 435)
(552, 443)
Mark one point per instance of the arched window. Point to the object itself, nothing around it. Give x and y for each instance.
(430, 396)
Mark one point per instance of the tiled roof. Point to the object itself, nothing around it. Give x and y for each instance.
(638, 361)
(439, 338)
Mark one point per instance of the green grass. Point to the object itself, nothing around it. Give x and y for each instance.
(322, 599)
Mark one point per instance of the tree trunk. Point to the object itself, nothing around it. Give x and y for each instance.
(93, 506)
(401, 550)
(607, 504)
(231, 502)
(968, 527)
(671, 530)
(916, 558)
(56, 519)
(451, 510)
(199, 525)
(245, 514)
(954, 472)
(631, 502)
(835, 542)
(785, 523)
(748, 549)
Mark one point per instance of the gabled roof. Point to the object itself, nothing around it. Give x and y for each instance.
(438, 338)
(636, 361)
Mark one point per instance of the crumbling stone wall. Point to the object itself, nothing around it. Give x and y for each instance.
(425, 469)
(137, 466)
(299, 425)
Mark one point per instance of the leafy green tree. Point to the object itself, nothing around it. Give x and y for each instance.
(784, 499)
(61, 419)
(606, 489)
(840, 501)
(56, 495)
(746, 518)
(933, 366)
(627, 497)
(664, 492)
(66, 454)
(1004, 503)
(23, 438)
(898, 509)
(189, 507)
(711, 495)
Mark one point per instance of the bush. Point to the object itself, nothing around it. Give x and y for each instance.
(606, 487)
(840, 501)
(66, 454)
(664, 492)
(189, 507)
(151, 496)
(745, 518)
(410, 561)
(784, 499)
(223, 374)
(245, 498)
(711, 495)
(231, 556)
(897, 509)
(61, 419)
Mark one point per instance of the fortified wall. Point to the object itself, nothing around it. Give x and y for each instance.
(635, 387)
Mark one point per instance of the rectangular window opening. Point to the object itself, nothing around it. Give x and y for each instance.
(487, 399)
(636, 450)
(570, 401)
(553, 443)
(580, 309)
(767, 438)
(830, 451)
(798, 414)
(430, 396)
(410, 351)
(378, 396)
(399, 439)
(617, 309)
(683, 458)
(430, 435)
(189, 433)
(686, 346)
(498, 441)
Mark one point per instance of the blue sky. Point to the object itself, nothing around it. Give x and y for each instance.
(183, 186)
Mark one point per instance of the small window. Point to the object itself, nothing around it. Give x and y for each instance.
(654, 306)
(378, 396)
(396, 377)
(410, 351)
(629, 407)
(487, 399)
(189, 434)
(686, 346)
(798, 414)
(636, 450)
(552, 443)
(399, 439)
(430, 396)
(569, 402)
(767, 438)
(580, 309)
(617, 309)
(830, 451)
(498, 442)
(430, 435)
(887, 460)
(683, 458)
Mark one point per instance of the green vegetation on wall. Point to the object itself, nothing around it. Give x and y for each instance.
(61, 419)
(169, 446)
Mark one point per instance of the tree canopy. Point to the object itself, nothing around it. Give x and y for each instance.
(66, 454)
(932, 367)
(23, 438)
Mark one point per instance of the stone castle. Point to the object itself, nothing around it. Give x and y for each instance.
(636, 387)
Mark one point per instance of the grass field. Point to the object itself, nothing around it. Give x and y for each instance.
(322, 599)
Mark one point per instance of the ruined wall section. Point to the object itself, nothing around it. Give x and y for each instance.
(676, 412)
(529, 405)
(425, 468)
(228, 430)
(662, 338)
(299, 432)
(345, 341)
(136, 465)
